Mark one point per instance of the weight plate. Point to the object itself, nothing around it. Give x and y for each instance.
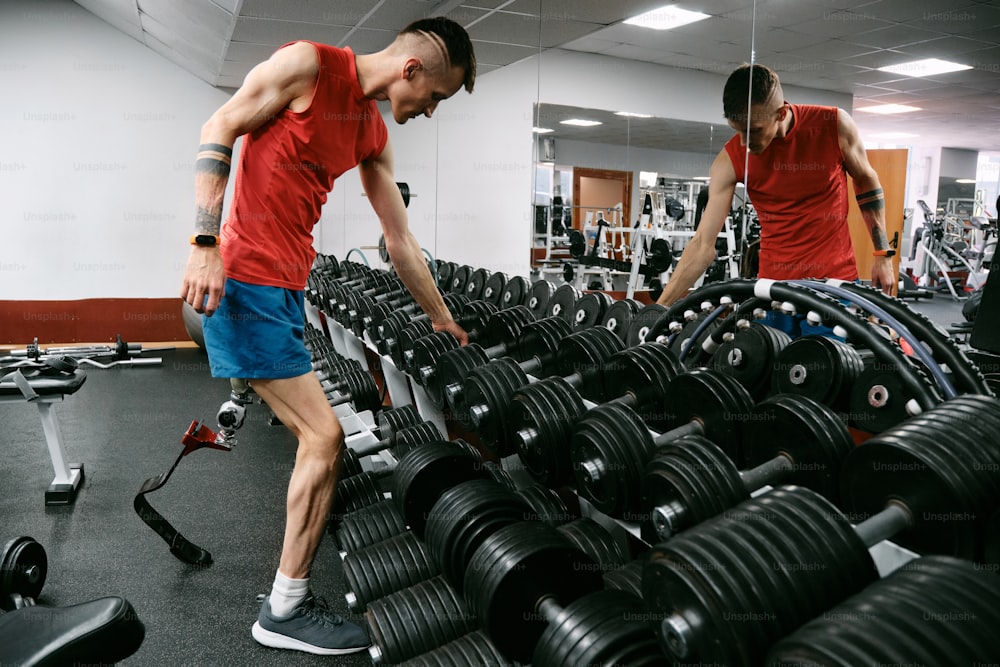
(688, 481)
(23, 568)
(494, 289)
(603, 628)
(750, 356)
(485, 401)
(542, 416)
(516, 292)
(562, 301)
(643, 323)
(810, 434)
(476, 285)
(538, 300)
(424, 473)
(589, 309)
(618, 317)
(609, 448)
(643, 373)
(512, 570)
(460, 279)
(717, 401)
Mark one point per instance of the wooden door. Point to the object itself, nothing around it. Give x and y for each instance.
(598, 189)
(890, 164)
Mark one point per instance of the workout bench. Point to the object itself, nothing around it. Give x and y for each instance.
(44, 383)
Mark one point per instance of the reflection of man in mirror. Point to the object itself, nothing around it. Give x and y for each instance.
(307, 115)
(798, 157)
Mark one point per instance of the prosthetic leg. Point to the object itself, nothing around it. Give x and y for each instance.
(230, 418)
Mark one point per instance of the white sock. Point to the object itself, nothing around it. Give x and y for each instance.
(286, 594)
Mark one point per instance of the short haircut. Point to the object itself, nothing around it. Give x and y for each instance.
(456, 42)
(758, 83)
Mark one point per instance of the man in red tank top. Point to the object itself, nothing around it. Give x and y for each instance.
(307, 115)
(794, 161)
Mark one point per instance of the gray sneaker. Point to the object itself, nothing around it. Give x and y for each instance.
(311, 627)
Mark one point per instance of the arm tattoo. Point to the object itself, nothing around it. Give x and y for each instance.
(214, 159)
(208, 221)
(879, 240)
(873, 200)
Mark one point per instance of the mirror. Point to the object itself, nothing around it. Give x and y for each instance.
(660, 128)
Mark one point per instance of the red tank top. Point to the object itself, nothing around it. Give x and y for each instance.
(798, 187)
(287, 168)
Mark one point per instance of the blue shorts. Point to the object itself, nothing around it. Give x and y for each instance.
(257, 332)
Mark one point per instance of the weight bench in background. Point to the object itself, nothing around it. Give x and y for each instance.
(44, 390)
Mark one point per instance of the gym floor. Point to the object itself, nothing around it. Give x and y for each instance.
(125, 425)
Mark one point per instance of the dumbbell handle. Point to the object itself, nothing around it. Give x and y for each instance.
(896, 517)
(892, 520)
(373, 447)
(595, 469)
(671, 518)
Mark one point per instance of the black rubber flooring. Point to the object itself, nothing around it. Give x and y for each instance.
(125, 425)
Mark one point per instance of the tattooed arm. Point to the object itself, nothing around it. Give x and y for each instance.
(871, 201)
(283, 81)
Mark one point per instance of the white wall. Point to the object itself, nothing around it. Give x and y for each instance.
(97, 142)
(96, 170)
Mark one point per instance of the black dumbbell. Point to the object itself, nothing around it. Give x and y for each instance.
(789, 555)
(788, 439)
(610, 445)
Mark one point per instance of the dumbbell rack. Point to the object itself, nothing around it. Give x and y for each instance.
(887, 556)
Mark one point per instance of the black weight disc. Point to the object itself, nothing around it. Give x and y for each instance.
(810, 434)
(452, 367)
(643, 372)
(424, 473)
(917, 467)
(23, 568)
(391, 420)
(562, 302)
(485, 401)
(445, 271)
(539, 342)
(542, 417)
(510, 573)
(618, 317)
(933, 610)
(516, 292)
(744, 579)
(493, 290)
(603, 628)
(610, 446)
(694, 480)
(427, 350)
(584, 354)
(595, 540)
(589, 310)
(818, 367)
(546, 504)
(539, 297)
(463, 517)
(460, 279)
(476, 285)
(717, 401)
(474, 648)
(750, 356)
(643, 323)
(878, 399)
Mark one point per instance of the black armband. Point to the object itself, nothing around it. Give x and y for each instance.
(873, 200)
